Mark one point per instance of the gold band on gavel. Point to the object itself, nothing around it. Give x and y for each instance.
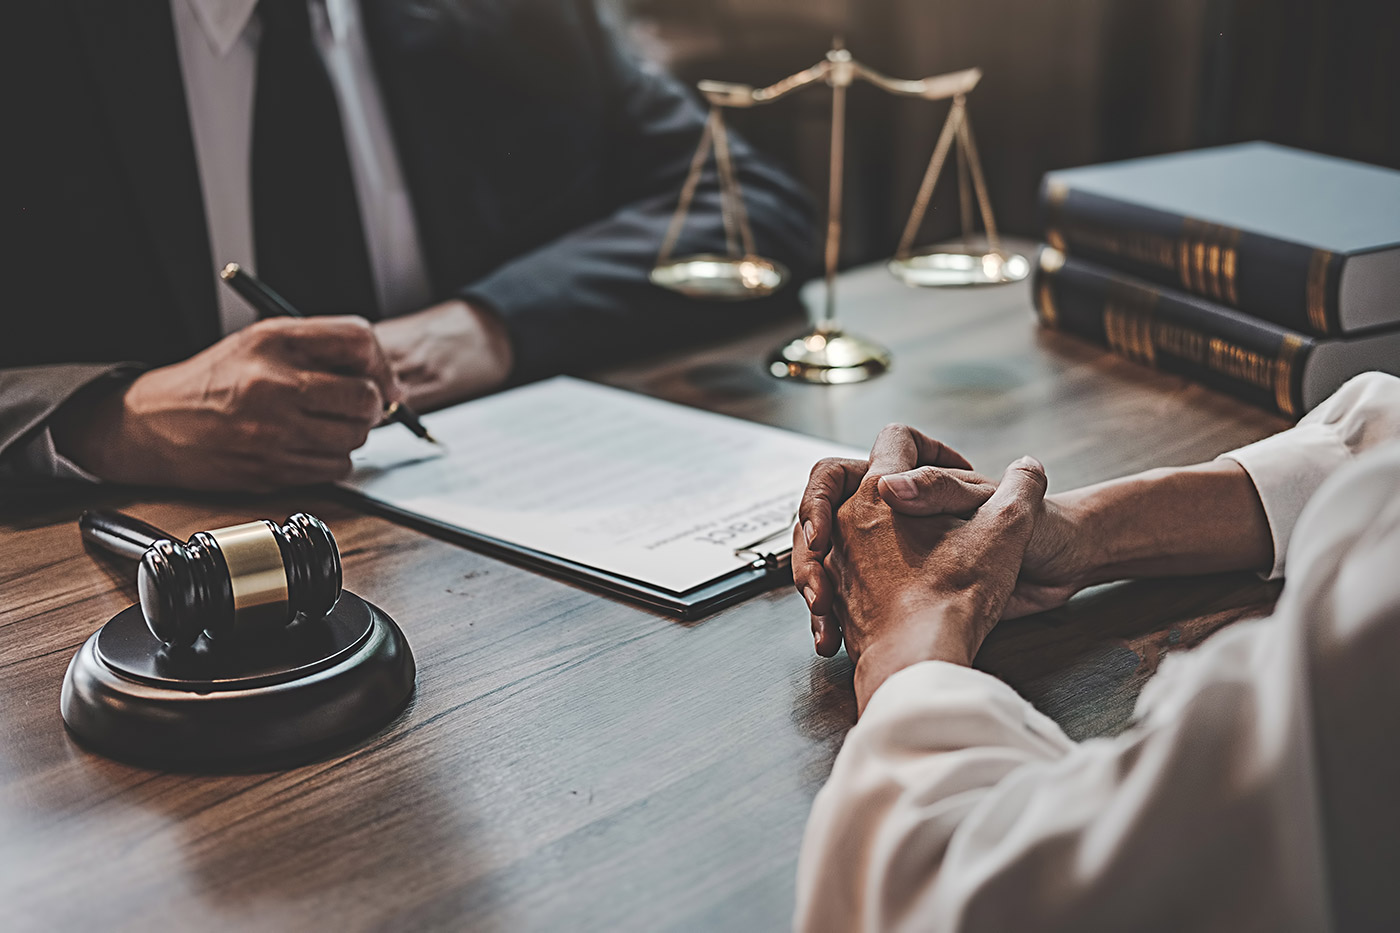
(257, 573)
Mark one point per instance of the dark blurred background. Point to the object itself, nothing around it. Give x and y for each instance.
(1067, 82)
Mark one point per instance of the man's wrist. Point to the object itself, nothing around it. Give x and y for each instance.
(86, 429)
(495, 338)
(447, 353)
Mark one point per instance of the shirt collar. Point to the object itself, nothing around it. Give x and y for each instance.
(223, 21)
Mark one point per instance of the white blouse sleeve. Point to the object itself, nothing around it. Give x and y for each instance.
(955, 805)
(1288, 467)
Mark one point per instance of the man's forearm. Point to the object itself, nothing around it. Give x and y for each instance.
(1199, 519)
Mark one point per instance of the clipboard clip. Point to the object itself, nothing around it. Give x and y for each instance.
(764, 559)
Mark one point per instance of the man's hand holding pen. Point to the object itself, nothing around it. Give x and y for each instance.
(281, 402)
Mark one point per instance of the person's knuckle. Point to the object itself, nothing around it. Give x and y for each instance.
(264, 435)
(893, 431)
(1014, 513)
(822, 470)
(1035, 475)
(259, 332)
(361, 333)
(935, 481)
(368, 402)
(245, 433)
(272, 378)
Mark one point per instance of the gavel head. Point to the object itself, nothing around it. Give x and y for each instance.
(239, 581)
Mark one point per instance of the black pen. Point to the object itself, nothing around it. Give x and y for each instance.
(270, 304)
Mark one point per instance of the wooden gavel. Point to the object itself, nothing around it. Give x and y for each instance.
(237, 582)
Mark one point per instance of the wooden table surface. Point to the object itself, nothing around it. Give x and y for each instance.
(571, 761)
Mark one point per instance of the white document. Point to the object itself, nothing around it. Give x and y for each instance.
(620, 482)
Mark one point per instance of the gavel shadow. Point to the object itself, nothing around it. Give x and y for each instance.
(319, 845)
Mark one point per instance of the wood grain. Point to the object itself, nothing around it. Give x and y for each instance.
(570, 761)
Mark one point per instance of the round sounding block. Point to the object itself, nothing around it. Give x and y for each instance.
(265, 704)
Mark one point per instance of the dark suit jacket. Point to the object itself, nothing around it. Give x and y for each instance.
(542, 160)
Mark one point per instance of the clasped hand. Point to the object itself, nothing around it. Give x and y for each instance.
(912, 556)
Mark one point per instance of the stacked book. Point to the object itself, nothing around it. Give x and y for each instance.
(1264, 271)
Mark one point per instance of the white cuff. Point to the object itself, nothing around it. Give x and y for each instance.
(1289, 467)
(1286, 470)
(963, 708)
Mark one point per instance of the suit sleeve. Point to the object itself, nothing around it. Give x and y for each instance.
(585, 298)
(29, 395)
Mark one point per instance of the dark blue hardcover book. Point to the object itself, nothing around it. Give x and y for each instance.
(1170, 330)
(1307, 241)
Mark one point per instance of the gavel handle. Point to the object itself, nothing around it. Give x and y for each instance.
(119, 533)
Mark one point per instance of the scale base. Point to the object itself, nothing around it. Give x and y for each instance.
(829, 358)
(721, 278)
(958, 266)
(324, 685)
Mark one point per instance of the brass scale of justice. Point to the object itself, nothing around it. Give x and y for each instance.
(826, 353)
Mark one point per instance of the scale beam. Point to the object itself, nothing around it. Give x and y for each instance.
(840, 68)
(825, 354)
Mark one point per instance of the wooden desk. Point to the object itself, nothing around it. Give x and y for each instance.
(573, 762)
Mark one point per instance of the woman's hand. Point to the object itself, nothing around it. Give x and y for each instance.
(949, 487)
(906, 589)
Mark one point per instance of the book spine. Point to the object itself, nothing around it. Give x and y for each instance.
(1174, 332)
(1289, 284)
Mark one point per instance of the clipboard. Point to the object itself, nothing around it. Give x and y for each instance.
(769, 570)
(675, 508)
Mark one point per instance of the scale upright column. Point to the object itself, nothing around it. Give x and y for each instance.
(825, 354)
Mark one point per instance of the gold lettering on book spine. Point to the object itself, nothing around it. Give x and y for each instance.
(1128, 325)
(1183, 263)
(1133, 330)
(1207, 259)
(1317, 289)
(1181, 342)
(1213, 271)
(1056, 192)
(1198, 252)
(1283, 375)
(1228, 263)
(1148, 248)
(1233, 360)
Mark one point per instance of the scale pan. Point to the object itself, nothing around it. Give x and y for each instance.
(722, 278)
(945, 267)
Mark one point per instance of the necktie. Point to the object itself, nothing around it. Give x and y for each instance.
(307, 233)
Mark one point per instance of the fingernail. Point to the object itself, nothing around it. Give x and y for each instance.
(902, 486)
(1029, 461)
(808, 532)
(810, 595)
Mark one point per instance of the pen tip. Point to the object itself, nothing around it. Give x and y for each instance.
(432, 440)
(228, 271)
